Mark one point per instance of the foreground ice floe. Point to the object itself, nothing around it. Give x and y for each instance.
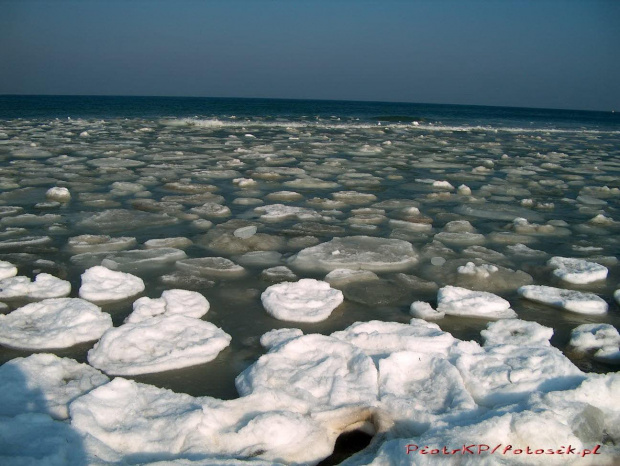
(100, 284)
(408, 384)
(139, 423)
(44, 383)
(157, 344)
(320, 370)
(306, 300)
(574, 301)
(53, 323)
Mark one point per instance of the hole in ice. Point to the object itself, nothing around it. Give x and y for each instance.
(347, 444)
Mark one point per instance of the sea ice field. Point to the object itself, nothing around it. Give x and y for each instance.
(246, 290)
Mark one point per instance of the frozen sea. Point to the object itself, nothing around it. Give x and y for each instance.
(228, 197)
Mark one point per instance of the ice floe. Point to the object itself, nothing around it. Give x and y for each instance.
(132, 419)
(53, 323)
(357, 252)
(306, 300)
(58, 194)
(100, 284)
(44, 383)
(516, 332)
(213, 267)
(601, 339)
(156, 344)
(577, 271)
(172, 302)
(318, 369)
(379, 339)
(43, 286)
(423, 310)
(458, 301)
(7, 270)
(574, 301)
(99, 243)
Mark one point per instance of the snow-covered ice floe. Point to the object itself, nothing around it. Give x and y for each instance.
(172, 302)
(53, 323)
(458, 301)
(306, 300)
(44, 383)
(406, 384)
(321, 370)
(44, 286)
(570, 300)
(100, 284)
(601, 339)
(157, 344)
(577, 271)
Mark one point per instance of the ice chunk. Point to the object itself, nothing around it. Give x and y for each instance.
(122, 220)
(516, 332)
(245, 232)
(213, 267)
(604, 339)
(211, 210)
(280, 212)
(280, 273)
(44, 286)
(307, 300)
(466, 303)
(617, 296)
(379, 339)
(423, 310)
(44, 383)
(574, 301)
(53, 323)
(277, 336)
(172, 302)
(342, 277)
(418, 389)
(179, 242)
(260, 259)
(99, 243)
(100, 284)
(480, 271)
(136, 420)
(141, 259)
(506, 374)
(284, 196)
(577, 271)
(58, 194)
(157, 344)
(460, 238)
(357, 252)
(7, 270)
(321, 370)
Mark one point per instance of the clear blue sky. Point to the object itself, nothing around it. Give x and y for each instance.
(528, 53)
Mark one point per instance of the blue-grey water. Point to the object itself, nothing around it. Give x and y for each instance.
(148, 163)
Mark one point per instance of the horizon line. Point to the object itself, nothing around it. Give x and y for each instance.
(297, 99)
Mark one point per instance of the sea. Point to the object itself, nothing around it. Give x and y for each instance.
(505, 189)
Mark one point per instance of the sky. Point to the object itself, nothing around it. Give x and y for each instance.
(521, 53)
